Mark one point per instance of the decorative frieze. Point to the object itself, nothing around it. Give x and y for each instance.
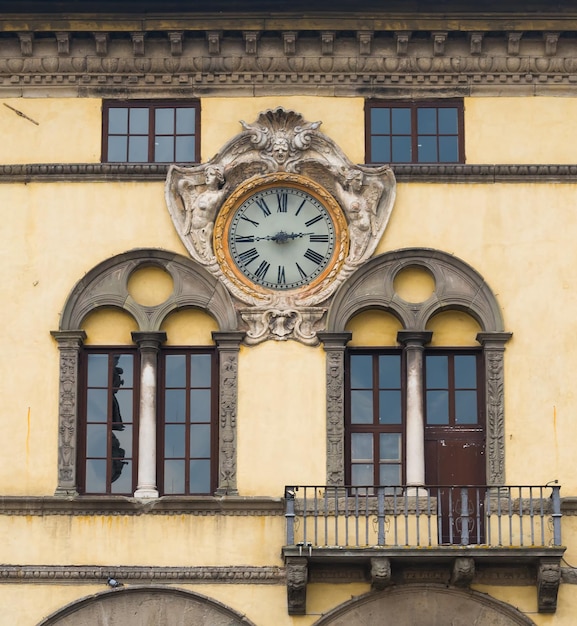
(342, 63)
(94, 574)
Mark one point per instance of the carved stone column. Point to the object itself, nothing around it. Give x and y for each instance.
(148, 344)
(334, 345)
(493, 347)
(228, 346)
(414, 343)
(69, 344)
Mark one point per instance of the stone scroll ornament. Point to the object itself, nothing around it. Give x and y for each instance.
(280, 146)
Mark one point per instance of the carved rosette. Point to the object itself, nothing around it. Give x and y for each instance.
(281, 145)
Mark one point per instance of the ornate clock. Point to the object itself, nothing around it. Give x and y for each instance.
(278, 233)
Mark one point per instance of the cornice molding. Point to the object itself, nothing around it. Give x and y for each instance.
(91, 574)
(247, 57)
(154, 172)
(120, 505)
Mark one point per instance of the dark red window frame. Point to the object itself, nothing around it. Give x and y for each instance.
(413, 107)
(151, 131)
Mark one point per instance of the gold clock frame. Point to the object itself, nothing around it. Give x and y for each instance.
(269, 181)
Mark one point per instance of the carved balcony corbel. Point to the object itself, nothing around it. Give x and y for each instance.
(548, 579)
(296, 577)
(380, 573)
(463, 572)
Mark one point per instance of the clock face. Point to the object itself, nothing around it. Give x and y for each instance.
(281, 237)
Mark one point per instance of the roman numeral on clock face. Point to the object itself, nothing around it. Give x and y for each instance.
(313, 256)
(248, 256)
(282, 199)
(263, 206)
(262, 269)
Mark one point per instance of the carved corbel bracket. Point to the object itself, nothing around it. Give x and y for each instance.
(548, 580)
(380, 573)
(296, 579)
(282, 324)
(463, 571)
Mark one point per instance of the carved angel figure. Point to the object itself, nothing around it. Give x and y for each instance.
(360, 208)
(200, 208)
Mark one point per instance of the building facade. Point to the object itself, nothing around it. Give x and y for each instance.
(288, 309)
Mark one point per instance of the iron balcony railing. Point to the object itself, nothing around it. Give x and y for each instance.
(438, 515)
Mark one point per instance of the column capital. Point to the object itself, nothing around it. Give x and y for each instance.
(149, 340)
(414, 338)
(334, 341)
(493, 340)
(230, 340)
(69, 338)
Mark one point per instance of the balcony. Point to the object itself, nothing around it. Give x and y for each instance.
(455, 535)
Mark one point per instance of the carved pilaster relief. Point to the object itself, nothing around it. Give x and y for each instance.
(228, 348)
(69, 344)
(334, 345)
(494, 346)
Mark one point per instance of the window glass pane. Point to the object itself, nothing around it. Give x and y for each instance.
(401, 150)
(389, 371)
(427, 149)
(390, 447)
(96, 442)
(163, 149)
(118, 121)
(125, 365)
(389, 474)
(97, 370)
(361, 407)
(361, 371)
(200, 405)
(362, 474)
(448, 121)
(401, 121)
(174, 477)
(200, 370)
(381, 121)
(185, 120)
(122, 407)
(427, 121)
(137, 149)
(121, 477)
(138, 121)
(381, 149)
(118, 149)
(175, 405)
(361, 447)
(164, 122)
(200, 441)
(122, 443)
(448, 149)
(95, 476)
(465, 371)
(199, 476)
(175, 370)
(465, 407)
(390, 407)
(437, 407)
(96, 405)
(174, 440)
(437, 372)
(185, 149)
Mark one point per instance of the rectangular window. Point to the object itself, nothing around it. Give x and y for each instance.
(109, 442)
(187, 425)
(375, 421)
(188, 437)
(140, 131)
(414, 132)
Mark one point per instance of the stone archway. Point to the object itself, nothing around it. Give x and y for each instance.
(425, 605)
(139, 606)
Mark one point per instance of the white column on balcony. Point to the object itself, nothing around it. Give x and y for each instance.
(148, 344)
(414, 343)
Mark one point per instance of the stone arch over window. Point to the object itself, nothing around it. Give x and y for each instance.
(455, 286)
(426, 605)
(140, 605)
(107, 285)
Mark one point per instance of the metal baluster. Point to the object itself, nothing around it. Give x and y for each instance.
(381, 515)
(336, 516)
(556, 515)
(357, 516)
(305, 538)
(289, 494)
(417, 517)
(499, 515)
(521, 515)
(451, 519)
(396, 518)
(510, 516)
(346, 517)
(406, 518)
(367, 516)
(464, 516)
(478, 509)
(542, 515)
(531, 516)
(326, 542)
(429, 517)
(488, 515)
(439, 518)
(316, 515)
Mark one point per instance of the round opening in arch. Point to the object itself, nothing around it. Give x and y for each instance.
(150, 286)
(414, 284)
